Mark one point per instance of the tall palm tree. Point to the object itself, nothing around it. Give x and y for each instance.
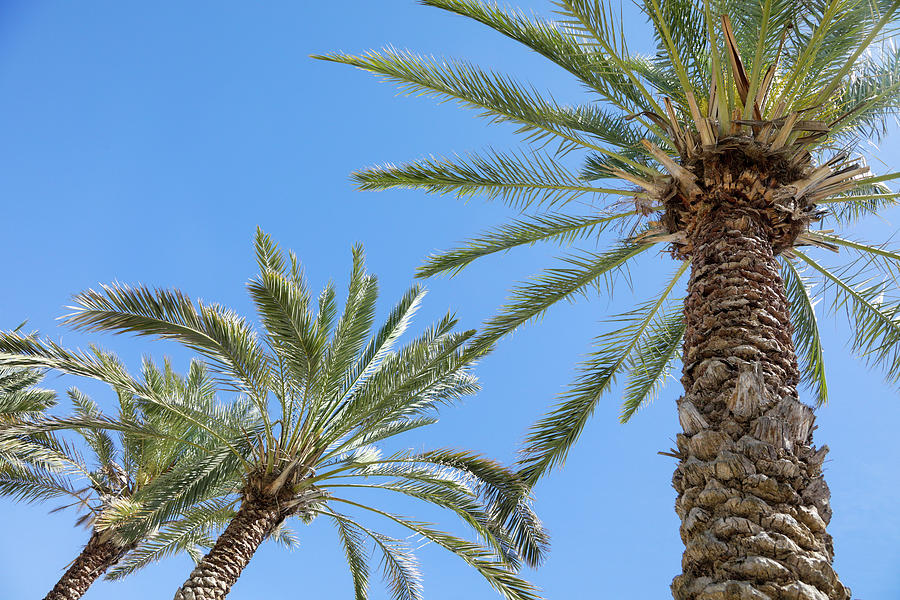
(326, 393)
(727, 143)
(122, 472)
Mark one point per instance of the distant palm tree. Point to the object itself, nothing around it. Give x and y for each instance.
(19, 398)
(122, 472)
(326, 392)
(726, 163)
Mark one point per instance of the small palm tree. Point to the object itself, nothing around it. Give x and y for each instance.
(20, 401)
(122, 472)
(19, 398)
(727, 143)
(326, 392)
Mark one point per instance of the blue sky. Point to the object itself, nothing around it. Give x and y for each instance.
(144, 142)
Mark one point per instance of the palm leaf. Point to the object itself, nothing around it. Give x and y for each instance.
(530, 300)
(519, 180)
(874, 317)
(551, 227)
(648, 366)
(806, 329)
(216, 332)
(549, 440)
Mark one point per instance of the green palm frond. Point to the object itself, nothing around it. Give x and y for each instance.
(284, 536)
(501, 98)
(17, 350)
(443, 494)
(398, 563)
(519, 180)
(174, 537)
(648, 367)
(352, 538)
(506, 496)
(873, 313)
(559, 44)
(383, 342)
(865, 201)
(881, 257)
(596, 28)
(34, 484)
(98, 440)
(283, 303)
(549, 440)
(214, 331)
(873, 95)
(19, 396)
(426, 373)
(496, 572)
(802, 303)
(353, 327)
(535, 297)
(549, 227)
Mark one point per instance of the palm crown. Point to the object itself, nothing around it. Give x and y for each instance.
(115, 483)
(324, 393)
(788, 86)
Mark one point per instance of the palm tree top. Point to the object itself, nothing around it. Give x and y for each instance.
(111, 483)
(326, 388)
(776, 92)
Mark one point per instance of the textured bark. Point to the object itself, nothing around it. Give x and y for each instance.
(751, 495)
(94, 560)
(220, 568)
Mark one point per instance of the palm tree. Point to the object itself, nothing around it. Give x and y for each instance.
(325, 393)
(728, 143)
(122, 473)
(19, 398)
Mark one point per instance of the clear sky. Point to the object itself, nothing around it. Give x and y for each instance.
(144, 142)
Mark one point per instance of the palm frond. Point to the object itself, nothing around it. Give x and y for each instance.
(214, 331)
(99, 441)
(531, 299)
(478, 557)
(353, 326)
(550, 227)
(499, 97)
(557, 42)
(874, 316)
(177, 536)
(549, 440)
(648, 367)
(520, 180)
(398, 563)
(881, 257)
(19, 396)
(806, 329)
(32, 484)
(351, 536)
(507, 498)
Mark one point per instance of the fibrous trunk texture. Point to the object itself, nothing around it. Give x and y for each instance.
(751, 495)
(213, 577)
(94, 560)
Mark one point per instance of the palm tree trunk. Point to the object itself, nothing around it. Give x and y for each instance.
(94, 560)
(220, 568)
(751, 496)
